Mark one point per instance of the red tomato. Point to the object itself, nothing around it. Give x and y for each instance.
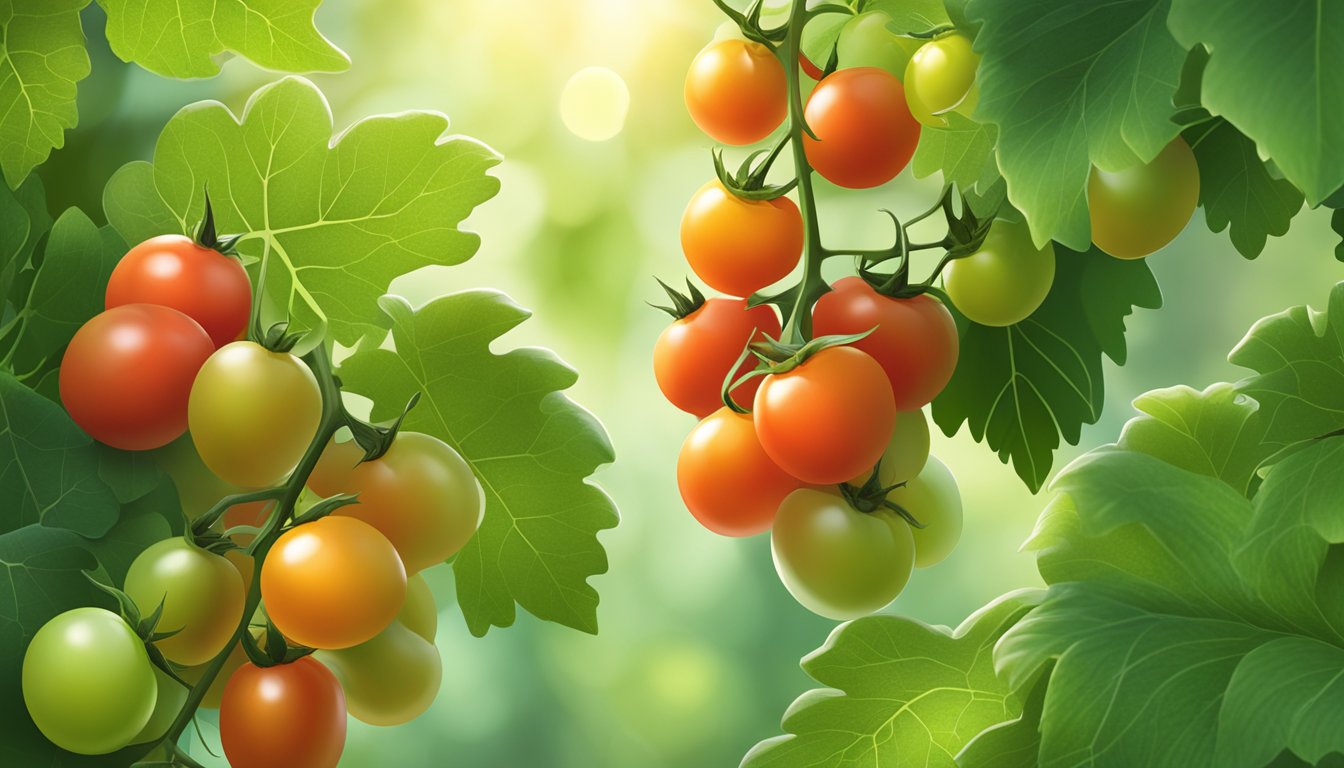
(865, 132)
(286, 716)
(736, 91)
(740, 246)
(692, 357)
(127, 374)
(201, 283)
(809, 69)
(726, 479)
(915, 341)
(829, 419)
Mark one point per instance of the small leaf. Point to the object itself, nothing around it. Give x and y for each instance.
(963, 152)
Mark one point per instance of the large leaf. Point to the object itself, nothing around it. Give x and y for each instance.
(1276, 72)
(23, 222)
(333, 219)
(184, 38)
(529, 445)
(1070, 85)
(42, 57)
(899, 693)
(1021, 388)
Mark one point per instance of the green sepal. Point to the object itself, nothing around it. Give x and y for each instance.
(682, 305)
(375, 439)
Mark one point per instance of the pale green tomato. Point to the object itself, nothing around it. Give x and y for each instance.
(419, 613)
(836, 561)
(906, 453)
(202, 595)
(88, 681)
(867, 41)
(1140, 209)
(933, 499)
(172, 695)
(1006, 280)
(940, 78)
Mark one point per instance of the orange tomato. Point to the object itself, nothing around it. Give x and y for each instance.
(736, 91)
(286, 716)
(727, 480)
(692, 357)
(740, 246)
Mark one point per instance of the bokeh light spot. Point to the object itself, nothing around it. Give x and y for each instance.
(594, 104)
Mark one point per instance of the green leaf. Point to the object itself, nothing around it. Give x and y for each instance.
(185, 38)
(1276, 72)
(42, 57)
(1015, 743)
(1021, 388)
(898, 692)
(911, 15)
(529, 445)
(1337, 224)
(334, 219)
(963, 152)
(1236, 189)
(1070, 85)
(23, 222)
(820, 36)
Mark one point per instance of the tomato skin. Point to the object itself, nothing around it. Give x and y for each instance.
(127, 375)
(915, 340)
(906, 454)
(171, 696)
(253, 413)
(940, 78)
(1139, 210)
(932, 497)
(332, 583)
(736, 91)
(1006, 280)
(827, 420)
(88, 682)
(865, 134)
(836, 561)
(419, 613)
(740, 246)
(202, 595)
(726, 479)
(286, 716)
(421, 495)
(693, 355)
(201, 283)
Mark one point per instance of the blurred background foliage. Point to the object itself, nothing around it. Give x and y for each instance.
(699, 645)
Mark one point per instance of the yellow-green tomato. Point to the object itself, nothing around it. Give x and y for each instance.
(253, 413)
(421, 495)
(940, 78)
(202, 595)
(172, 695)
(88, 682)
(1140, 209)
(1006, 280)
(933, 499)
(197, 487)
(836, 561)
(867, 40)
(906, 453)
(419, 613)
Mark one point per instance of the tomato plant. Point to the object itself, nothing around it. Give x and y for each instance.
(736, 92)
(290, 715)
(738, 246)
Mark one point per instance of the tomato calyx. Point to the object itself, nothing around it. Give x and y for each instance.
(207, 237)
(775, 357)
(749, 23)
(323, 508)
(376, 439)
(277, 651)
(145, 627)
(872, 496)
(749, 181)
(683, 305)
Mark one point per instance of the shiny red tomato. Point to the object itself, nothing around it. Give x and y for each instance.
(201, 283)
(740, 246)
(126, 376)
(865, 132)
(693, 355)
(726, 479)
(915, 339)
(286, 716)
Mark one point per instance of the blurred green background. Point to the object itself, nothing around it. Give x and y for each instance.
(699, 645)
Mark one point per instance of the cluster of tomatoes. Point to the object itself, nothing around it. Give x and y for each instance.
(347, 621)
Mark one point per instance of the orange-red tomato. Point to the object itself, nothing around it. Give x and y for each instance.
(829, 419)
(740, 246)
(693, 355)
(332, 583)
(736, 91)
(286, 716)
(201, 283)
(865, 132)
(915, 339)
(727, 481)
(126, 376)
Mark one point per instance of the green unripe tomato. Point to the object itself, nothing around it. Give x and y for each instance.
(1140, 209)
(940, 78)
(172, 695)
(867, 41)
(88, 681)
(836, 561)
(202, 595)
(1006, 280)
(419, 613)
(906, 453)
(933, 499)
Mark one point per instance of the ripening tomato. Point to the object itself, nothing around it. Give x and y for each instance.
(906, 454)
(736, 91)
(915, 340)
(127, 374)
(726, 479)
(1138, 210)
(420, 494)
(332, 583)
(285, 716)
(865, 134)
(740, 246)
(836, 561)
(202, 596)
(932, 498)
(867, 40)
(201, 283)
(826, 420)
(88, 682)
(253, 413)
(693, 355)
(1006, 280)
(940, 78)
